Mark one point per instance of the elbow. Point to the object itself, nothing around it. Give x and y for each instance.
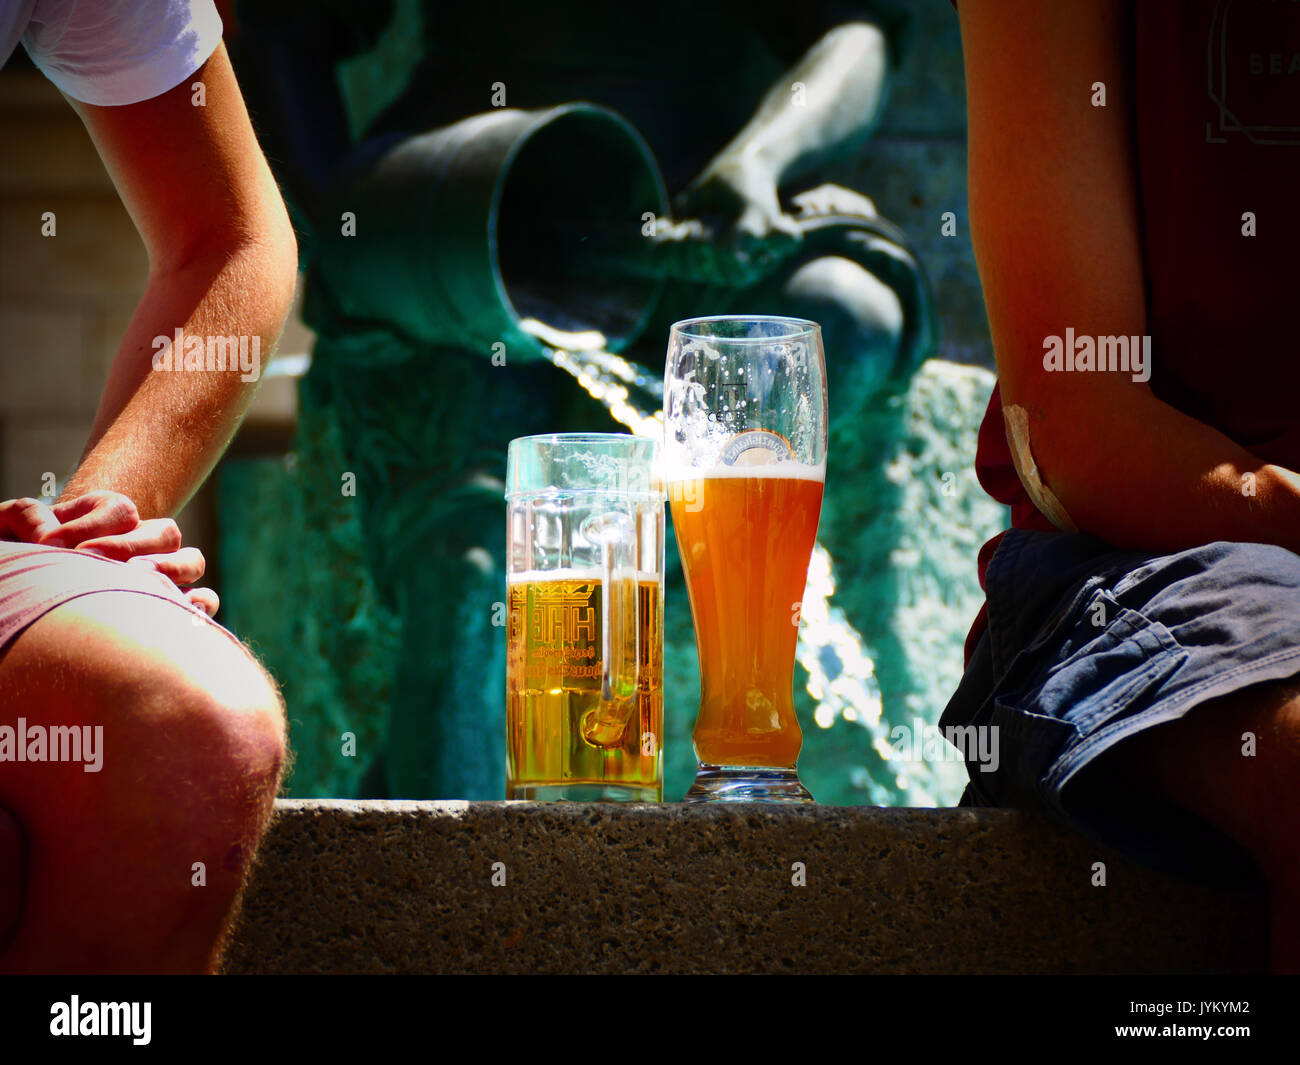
(251, 264)
(282, 268)
(1064, 442)
(265, 264)
(269, 238)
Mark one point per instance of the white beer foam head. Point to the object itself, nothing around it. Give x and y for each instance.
(797, 471)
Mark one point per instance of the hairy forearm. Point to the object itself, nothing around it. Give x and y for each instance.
(824, 107)
(1143, 475)
(158, 433)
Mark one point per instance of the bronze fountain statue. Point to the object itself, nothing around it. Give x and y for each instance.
(481, 188)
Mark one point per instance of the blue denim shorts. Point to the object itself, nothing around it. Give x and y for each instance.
(1087, 646)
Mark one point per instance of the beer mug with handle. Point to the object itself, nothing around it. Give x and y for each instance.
(745, 462)
(584, 675)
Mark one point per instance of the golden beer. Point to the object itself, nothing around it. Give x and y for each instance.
(564, 739)
(746, 535)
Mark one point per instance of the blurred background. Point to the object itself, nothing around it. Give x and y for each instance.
(355, 528)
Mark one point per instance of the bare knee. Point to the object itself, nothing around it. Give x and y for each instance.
(166, 818)
(211, 726)
(1235, 761)
(191, 728)
(1275, 742)
(218, 748)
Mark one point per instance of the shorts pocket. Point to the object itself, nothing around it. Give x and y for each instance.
(1099, 665)
(1023, 746)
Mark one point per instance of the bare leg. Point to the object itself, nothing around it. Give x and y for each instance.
(193, 742)
(1199, 763)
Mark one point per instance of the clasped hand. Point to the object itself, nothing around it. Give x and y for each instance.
(107, 524)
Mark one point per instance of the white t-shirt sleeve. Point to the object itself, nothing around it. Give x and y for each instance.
(114, 52)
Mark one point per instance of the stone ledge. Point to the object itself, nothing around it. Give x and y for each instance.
(388, 887)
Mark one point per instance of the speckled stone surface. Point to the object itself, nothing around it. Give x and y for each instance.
(387, 887)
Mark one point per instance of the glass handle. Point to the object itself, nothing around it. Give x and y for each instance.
(615, 532)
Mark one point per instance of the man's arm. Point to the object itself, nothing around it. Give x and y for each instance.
(222, 262)
(1055, 222)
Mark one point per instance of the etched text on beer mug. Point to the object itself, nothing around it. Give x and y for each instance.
(584, 674)
(744, 461)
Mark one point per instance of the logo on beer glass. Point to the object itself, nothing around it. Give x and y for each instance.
(756, 447)
(562, 628)
(563, 611)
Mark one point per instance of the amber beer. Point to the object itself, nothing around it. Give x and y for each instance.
(746, 535)
(563, 737)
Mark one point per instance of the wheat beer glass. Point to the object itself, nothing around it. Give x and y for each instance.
(584, 573)
(744, 462)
